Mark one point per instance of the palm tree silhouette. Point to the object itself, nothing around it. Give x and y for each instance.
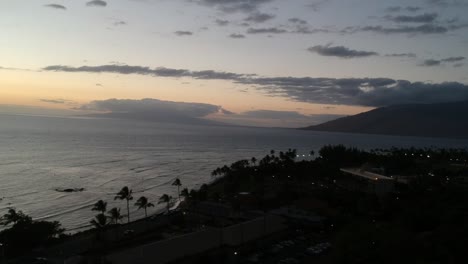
(253, 160)
(177, 183)
(125, 194)
(165, 199)
(185, 193)
(99, 221)
(13, 216)
(100, 206)
(114, 215)
(143, 203)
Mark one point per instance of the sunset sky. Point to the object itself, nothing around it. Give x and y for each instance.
(253, 62)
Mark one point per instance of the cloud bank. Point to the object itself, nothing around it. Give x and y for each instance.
(433, 62)
(230, 6)
(141, 70)
(424, 18)
(373, 92)
(153, 110)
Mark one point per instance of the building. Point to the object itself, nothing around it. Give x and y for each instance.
(371, 182)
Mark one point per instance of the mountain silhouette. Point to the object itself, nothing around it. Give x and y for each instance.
(422, 120)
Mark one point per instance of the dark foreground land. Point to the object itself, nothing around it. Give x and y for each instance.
(342, 205)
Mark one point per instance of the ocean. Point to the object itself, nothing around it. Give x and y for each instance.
(39, 155)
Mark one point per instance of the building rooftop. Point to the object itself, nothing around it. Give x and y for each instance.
(367, 174)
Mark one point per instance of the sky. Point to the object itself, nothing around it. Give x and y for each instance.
(249, 62)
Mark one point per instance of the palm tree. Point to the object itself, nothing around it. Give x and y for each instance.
(165, 199)
(125, 194)
(100, 206)
(114, 215)
(185, 193)
(143, 203)
(253, 160)
(99, 221)
(14, 217)
(177, 183)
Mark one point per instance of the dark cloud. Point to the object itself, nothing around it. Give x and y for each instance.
(340, 51)
(433, 62)
(297, 29)
(400, 55)
(423, 18)
(270, 30)
(237, 36)
(453, 59)
(54, 101)
(97, 3)
(304, 29)
(56, 6)
(258, 17)
(161, 71)
(393, 9)
(421, 29)
(296, 20)
(373, 92)
(231, 6)
(434, 27)
(221, 22)
(183, 33)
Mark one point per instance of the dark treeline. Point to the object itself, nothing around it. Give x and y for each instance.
(23, 234)
(423, 221)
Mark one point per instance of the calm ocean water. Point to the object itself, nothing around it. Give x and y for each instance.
(40, 154)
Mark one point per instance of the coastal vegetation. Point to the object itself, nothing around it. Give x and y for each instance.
(115, 215)
(420, 221)
(23, 234)
(125, 194)
(143, 203)
(165, 199)
(177, 183)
